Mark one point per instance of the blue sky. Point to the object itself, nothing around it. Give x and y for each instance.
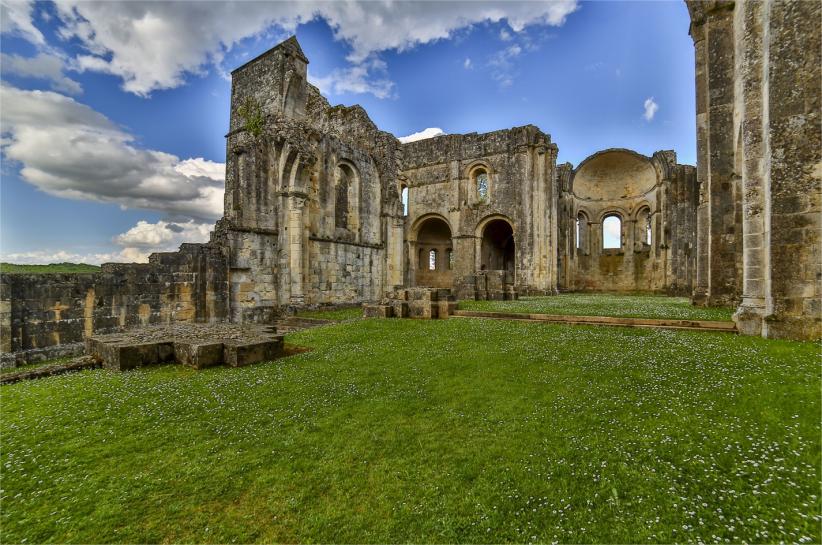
(113, 115)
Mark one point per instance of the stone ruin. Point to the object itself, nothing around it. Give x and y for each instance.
(314, 212)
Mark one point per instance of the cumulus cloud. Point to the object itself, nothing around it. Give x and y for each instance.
(368, 77)
(154, 45)
(69, 150)
(134, 246)
(430, 132)
(16, 19)
(651, 108)
(42, 66)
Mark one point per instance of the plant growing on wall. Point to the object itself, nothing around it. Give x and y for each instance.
(252, 115)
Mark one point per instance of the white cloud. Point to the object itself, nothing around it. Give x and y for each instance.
(16, 18)
(42, 66)
(368, 77)
(467, 64)
(430, 132)
(135, 245)
(651, 108)
(501, 64)
(504, 35)
(154, 45)
(69, 150)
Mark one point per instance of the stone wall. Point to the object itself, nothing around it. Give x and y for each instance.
(759, 145)
(654, 199)
(48, 315)
(312, 211)
(443, 176)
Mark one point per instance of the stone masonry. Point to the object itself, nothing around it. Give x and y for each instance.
(315, 214)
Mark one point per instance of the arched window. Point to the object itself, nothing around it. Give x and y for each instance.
(579, 237)
(432, 260)
(582, 233)
(612, 232)
(404, 198)
(450, 259)
(482, 185)
(643, 227)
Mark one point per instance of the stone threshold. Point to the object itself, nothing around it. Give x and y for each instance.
(654, 323)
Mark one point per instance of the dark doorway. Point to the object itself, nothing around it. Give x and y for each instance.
(498, 252)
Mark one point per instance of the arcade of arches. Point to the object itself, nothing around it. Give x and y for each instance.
(322, 207)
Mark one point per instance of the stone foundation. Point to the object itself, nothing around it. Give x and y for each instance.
(195, 345)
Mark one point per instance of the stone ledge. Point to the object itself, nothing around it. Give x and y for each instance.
(693, 325)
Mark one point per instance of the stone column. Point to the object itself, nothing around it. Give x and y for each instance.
(296, 202)
(755, 236)
(793, 157)
(718, 234)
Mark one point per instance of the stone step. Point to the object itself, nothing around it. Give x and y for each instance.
(664, 323)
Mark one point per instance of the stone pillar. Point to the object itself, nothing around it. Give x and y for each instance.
(296, 202)
(718, 234)
(394, 252)
(755, 205)
(793, 157)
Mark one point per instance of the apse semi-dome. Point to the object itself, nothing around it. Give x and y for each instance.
(614, 174)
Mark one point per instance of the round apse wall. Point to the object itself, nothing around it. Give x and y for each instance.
(613, 175)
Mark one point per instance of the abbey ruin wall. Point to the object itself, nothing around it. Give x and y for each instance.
(48, 315)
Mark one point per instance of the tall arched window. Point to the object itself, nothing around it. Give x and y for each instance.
(643, 227)
(612, 232)
(432, 260)
(404, 198)
(582, 233)
(482, 185)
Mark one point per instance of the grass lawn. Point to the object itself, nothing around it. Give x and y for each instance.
(599, 304)
(429, 431)
(339, 314)
(53, 268)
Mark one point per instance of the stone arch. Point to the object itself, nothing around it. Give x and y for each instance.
(474, 172)
(606, 243)
(496, 244)
(432, 235)
(346, 199)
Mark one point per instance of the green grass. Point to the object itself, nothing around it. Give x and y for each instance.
(53, 268)
(34, 365)
(599, 304)
(478, 431)
(338, 314)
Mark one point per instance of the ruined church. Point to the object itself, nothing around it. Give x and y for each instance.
(324, 208)
(321, 207)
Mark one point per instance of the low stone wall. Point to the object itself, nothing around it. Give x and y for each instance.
(43, 316)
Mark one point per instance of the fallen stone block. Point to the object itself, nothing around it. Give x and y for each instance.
(400, 309)
(377, 311)
(199, 356)
(239, 353)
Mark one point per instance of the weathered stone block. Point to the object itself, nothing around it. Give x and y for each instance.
(377, 311)
(198, 356)
(239, 354)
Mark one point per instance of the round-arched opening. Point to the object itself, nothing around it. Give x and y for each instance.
(435, 255)
(611, 232)
(497, 252)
